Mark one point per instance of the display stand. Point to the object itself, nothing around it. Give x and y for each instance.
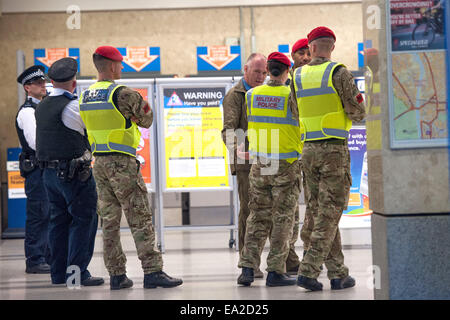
(189, 110)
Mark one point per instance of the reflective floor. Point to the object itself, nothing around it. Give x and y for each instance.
(201, 258)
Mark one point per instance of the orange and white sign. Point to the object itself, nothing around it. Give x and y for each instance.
(16, 185)
(139, 57)
(54, 54)
(219, 56)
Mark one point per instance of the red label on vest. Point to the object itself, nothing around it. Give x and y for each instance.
(268, 102)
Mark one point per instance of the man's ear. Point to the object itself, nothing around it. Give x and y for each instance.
(332, 48)
(245, 68)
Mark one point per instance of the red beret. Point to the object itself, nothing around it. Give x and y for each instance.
(280, 57)
(370, 52)
(109, 52)
(300, 44)
(321, 32)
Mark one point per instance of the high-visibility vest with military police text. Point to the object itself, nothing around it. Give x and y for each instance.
(273, 133)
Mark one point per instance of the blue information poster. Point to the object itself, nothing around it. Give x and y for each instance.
(16, 197)
(45, 57)
(141, 59)
(219, 58)
(358, 213)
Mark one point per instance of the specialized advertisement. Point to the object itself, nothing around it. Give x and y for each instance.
(417, 24)
(358, 213)
(195, 155)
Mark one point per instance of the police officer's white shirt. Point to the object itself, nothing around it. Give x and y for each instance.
(27, 122)
(71, 113)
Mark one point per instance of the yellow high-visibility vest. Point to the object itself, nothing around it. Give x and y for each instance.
(273, 133)
(320, 108)
(105, 125)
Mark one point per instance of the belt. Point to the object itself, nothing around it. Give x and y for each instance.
(330, 140)
(52, 164)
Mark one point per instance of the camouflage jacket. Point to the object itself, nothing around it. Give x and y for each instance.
(346, 88)
(235, 117)
(132, 106)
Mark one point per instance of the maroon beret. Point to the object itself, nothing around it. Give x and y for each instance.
(280, 57)
(109, 52)
(300, 44)
(321, 32)
(370, 52)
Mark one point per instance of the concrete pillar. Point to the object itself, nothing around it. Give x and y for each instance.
(408, 187)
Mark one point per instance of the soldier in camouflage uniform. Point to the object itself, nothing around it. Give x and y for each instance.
(326, 168)
(274, 182)
(234, 128)
(120, 185)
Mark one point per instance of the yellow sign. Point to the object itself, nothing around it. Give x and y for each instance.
(195, 155)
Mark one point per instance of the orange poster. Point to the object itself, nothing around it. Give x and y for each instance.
(16, 185)
(143, 150)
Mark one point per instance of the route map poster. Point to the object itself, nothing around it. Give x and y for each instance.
(195, 155)
(419, 113)
(417, 25)
(418, 84)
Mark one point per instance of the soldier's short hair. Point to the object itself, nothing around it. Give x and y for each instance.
(324, 44)
(101, 63)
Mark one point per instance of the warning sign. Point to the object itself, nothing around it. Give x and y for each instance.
(174, 100)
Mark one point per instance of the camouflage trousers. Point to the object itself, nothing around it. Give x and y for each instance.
(243, 191)
(327, 181)
(293, 260)
(273, 201)
(120, 187)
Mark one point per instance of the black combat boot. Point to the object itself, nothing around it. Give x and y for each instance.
(38, 269)
(309, 283)
(160, 279)
(275, 279)
(246, 277)
(347, 282)
(92, 281)
(120, 282)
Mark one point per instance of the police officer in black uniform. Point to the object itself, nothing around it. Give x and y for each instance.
(37, 216)
(63, 151)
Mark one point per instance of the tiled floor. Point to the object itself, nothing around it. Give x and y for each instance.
(201, 258)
